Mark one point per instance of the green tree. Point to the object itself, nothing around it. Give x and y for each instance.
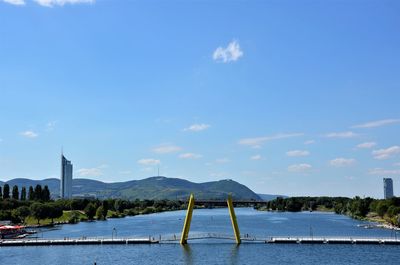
(38, 192)
(1, 193)
(45, 195)
(54, 211)
(31, 195)
(90, 211)
(38, 211)
(6, 191)
(22, 212)
(23, 194)
(382, 207)
(105, 209)
(99, 213)
(15, 192)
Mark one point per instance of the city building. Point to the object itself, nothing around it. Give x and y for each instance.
(66, 178)
(387, 188)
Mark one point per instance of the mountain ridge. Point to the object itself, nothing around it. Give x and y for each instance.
(158, 187)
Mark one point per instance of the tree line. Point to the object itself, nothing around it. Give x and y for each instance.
(39, 205)
(34, 194)
(356, 207)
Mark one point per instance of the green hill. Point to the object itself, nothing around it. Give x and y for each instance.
(149, 188)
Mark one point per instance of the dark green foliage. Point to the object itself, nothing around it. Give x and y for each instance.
(31, 195)
(90, 210)
(6, 191)
(54, 210)
(1, 193)
(21, 213)
(99, 213)
(15, 193)
(38, 193)
(45, 196)
(39, 211)
(23, 194)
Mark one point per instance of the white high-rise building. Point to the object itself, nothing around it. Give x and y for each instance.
(66, 178)
(387, 188)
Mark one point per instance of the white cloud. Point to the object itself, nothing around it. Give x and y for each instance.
(342, 162)
(29, 134)
(258, 141)
(373, 124)
(51, 3)
(149, 161)
(222, 160)
(341, 135)
(90, 172)
(166, 149)
(300, 168)
(297, 153)
(383, 172)
(231, 53)
(386, 153)
(256, 157)
(15, 2)
(309, 142)
(366, 145)
(197, 127)
(190, 156)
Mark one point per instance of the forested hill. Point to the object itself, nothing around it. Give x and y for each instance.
(149, 188)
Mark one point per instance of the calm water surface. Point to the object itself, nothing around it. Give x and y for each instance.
(260, 224)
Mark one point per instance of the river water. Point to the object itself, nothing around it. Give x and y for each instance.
(207, 251)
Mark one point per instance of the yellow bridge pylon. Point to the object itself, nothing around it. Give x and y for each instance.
(188, 220)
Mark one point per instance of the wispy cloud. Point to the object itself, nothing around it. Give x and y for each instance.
(190, 156)
(166, 149)
(256, 157)
(342, 162)
(383, 172)
(15, 2)
(379, 123)
(231, 53)
(382, 154)
(29, 134)
(258, 141)
(51, 125)
(90, 172)
(348, 134)
(309, 142)
(366, 145)
(52, 3)
(197, 127)
(149, 161)
(295, 153)
(300, 168)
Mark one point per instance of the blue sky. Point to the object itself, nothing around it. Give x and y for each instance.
(286, 97)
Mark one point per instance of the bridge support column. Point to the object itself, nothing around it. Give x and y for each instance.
(188, 220)
(234, 220)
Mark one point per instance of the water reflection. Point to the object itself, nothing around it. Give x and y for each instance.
(234, 254)
(187, 254)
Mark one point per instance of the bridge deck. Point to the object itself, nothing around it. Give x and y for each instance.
(212, 236)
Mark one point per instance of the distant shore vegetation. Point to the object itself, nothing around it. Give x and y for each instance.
(35, 207)
(387, 211)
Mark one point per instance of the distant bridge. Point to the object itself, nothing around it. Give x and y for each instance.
(224, 203)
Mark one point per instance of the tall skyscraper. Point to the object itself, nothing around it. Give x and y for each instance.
(387, 188)
(66, 178)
